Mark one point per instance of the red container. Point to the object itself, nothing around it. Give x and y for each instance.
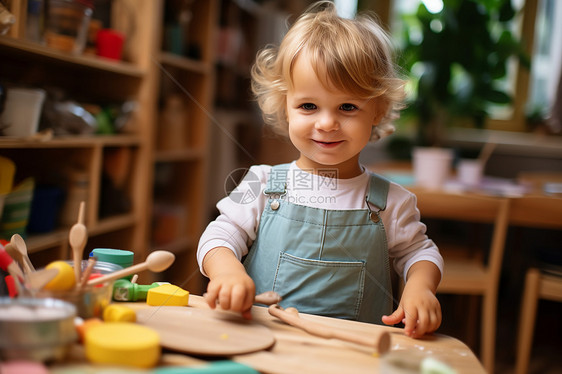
(109, 44)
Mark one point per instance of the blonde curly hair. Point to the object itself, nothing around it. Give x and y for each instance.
(356, 55)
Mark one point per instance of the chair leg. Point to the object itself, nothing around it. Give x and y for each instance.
(488, 337)
(473, 308)
(527, 321)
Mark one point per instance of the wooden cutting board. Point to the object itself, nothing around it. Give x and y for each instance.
(205, 332)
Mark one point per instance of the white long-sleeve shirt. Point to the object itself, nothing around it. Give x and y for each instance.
(237, 225)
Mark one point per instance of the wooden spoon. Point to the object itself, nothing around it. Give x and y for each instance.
(380, 342)
(18, 243)
(156, 261)
(38, 279)
(77, 237)
(15, 254)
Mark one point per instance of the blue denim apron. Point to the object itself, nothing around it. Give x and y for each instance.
(327, 262)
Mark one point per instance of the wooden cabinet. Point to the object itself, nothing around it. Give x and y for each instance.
(241, 140)
(185, 74)
(148, 186)
(110, 172)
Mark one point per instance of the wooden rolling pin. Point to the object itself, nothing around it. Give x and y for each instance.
(380, 342)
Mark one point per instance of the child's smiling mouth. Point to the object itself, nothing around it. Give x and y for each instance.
(328, 144)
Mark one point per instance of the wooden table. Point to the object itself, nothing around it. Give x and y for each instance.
(295, 351)
(532, 209)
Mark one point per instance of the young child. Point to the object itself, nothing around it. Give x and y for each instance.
(321, 230)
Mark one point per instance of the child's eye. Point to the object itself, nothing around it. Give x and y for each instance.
(308, 106)
(348, 107)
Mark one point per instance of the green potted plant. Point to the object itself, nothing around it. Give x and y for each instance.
(457, 60)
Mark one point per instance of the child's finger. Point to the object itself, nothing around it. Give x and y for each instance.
(247, 314)
(210, 299)
(225, 298)
(411, 322)
(212, 294)
(394, 318)
(238, 299)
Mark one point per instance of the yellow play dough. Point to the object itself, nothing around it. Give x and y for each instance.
(119, 313)
(122, 343)
(64, 280)
(167, 294)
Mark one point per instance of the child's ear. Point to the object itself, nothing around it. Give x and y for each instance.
(380, 110)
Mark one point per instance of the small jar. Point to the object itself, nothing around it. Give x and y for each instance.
(66, 24)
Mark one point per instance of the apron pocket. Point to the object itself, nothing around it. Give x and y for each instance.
(329, 288)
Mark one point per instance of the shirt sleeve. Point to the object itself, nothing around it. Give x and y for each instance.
(407, 239)
(239, 215)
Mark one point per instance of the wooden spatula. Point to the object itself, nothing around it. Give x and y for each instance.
(380, 342)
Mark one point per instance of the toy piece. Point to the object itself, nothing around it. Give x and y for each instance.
(122, 343)
(124, 290)
(11, 285)
(64, 280)
(217, 367)
(167, 294)
(119, 313)
(83, 325)
(9, 265)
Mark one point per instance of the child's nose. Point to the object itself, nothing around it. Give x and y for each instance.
(327, 122)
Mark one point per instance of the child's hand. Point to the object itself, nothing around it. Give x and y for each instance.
(419, 308)
(420, 312)
(229, 286)
(232, 291)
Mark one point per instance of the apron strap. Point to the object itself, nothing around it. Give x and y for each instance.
(277, 180)
(378, 185)
(378, 191)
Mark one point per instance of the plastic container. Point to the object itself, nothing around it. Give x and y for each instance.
(432, 166)
(17, 206)
(119, 257)
(33, 27)
(470, 172)
(22, 111)
(91, 300)
(45, 208)
(67, 23)
(109, 44)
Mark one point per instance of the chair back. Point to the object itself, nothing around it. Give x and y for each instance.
(471, 208)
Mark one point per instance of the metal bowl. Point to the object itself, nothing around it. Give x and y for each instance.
(36, 329)
(91, 300)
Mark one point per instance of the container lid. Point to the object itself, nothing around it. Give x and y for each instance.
(115, 256)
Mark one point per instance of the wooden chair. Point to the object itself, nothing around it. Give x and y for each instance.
(537, 286)
(466, 271)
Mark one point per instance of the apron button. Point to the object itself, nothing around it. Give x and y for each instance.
(274, 205)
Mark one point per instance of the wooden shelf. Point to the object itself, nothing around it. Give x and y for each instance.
(101, 170)
(71, 141)
(180, 245)
(167, 58)
(36, 51)
(38, 242)
(185, 87)
(179, 155)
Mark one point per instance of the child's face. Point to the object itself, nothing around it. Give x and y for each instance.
(329, 127)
